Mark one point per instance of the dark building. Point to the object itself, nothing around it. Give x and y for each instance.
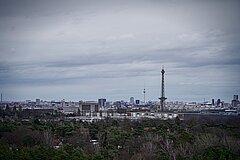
(235, 101)
(213, 103)
(137, 101)
(38, 102)
(88, 108)
(218, 102)
(235, 97)
(102, 102)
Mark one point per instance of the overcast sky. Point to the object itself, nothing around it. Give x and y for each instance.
(90, 49)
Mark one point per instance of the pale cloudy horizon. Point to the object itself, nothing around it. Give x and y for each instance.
(89, 49)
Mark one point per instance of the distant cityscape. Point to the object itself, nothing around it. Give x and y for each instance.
(132, 109)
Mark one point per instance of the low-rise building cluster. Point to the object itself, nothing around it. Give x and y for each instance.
(101, 109)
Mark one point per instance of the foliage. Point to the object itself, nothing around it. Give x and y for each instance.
(120, 139)
(219, 153)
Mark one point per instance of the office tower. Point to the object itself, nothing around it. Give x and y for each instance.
(88, 108)
(218, 102)
(235, 97)
(37, 102)
(137, 101)
(102, 102)
(213, 103)
(131, 100)
(235, 101)
(63, 103)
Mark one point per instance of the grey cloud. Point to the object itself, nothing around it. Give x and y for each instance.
(51, 44)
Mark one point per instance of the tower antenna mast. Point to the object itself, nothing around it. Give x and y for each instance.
(144, 94)
(162, 98)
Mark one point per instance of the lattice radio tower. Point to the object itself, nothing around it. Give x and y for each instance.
(162, 98)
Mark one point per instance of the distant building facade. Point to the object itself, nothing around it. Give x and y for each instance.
(102, 102)
(131, 100)
(63, 103)
(213, 102)
(137, 101)
(235, 101)
(88, 108)
(38, 102)
(218, 102)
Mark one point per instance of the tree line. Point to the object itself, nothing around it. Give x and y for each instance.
(197, 138)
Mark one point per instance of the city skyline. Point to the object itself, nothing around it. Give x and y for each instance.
(86, 50)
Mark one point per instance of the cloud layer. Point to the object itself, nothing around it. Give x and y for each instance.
(91, 49)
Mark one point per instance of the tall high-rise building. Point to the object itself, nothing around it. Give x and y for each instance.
(102, 102)
(38, 102)
(235, 101)
(137, 101)
(213, 103)
(63, 104)
(235, 97)
(218, 102)
(131, 100)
